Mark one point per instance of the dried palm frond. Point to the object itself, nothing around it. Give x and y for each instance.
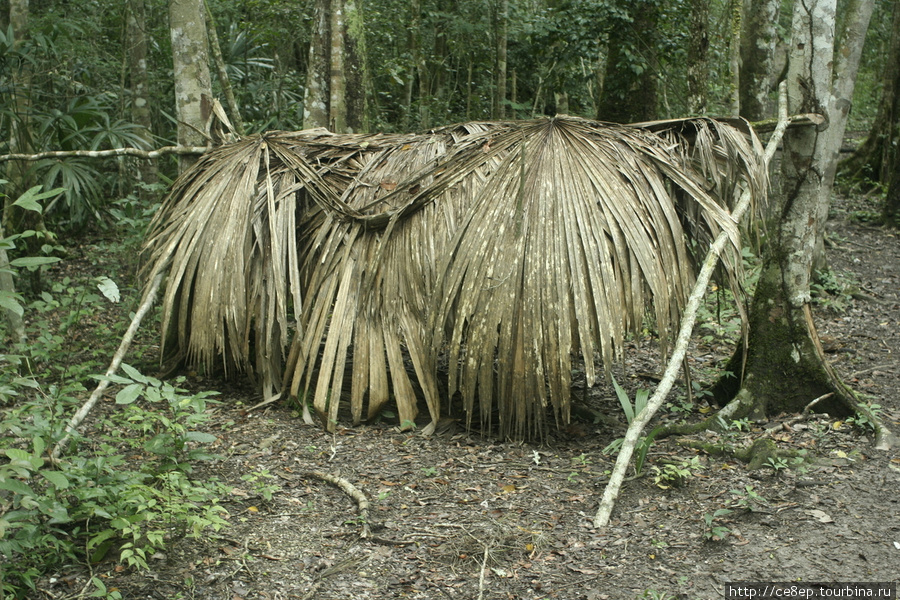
(505, 247)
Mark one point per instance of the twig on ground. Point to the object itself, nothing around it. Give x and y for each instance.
(484, 560)
(803, 414)
(351, 490)
(875, 368)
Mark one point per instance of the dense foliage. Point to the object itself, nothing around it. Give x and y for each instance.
(436, 66)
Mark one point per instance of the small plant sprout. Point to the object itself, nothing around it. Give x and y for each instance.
(747, 498)
(257, 481)
(675, 475)
(715, 532)
(777, 463)
(631, 411)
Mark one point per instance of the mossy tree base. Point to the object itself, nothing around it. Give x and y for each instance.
(783, 367)
(761, 453)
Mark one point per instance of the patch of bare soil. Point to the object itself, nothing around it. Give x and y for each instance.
(460, 516)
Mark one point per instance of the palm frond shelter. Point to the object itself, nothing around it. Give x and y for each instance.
(324, 264)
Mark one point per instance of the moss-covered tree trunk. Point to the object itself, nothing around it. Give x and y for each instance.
(758, 37)
(784, 367)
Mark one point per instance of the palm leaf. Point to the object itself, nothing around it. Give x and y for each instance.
(502, 247)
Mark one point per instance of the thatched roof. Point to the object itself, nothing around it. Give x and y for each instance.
(501, 247)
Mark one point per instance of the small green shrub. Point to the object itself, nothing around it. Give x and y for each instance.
(124, 488)
(84, 506)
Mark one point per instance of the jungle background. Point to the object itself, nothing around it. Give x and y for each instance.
(177, 487)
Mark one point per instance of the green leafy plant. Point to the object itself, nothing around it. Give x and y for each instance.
(777, 463)
(82, 507)
(747, 498)
(258, 481)
(714, 531)
(632, 410)
(832, 290)
(122, 489)
(862, 420)
(676, 474)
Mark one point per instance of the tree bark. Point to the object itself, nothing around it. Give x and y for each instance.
(234, 111)
(20, 122)
(190, 58)
(356, 72)
(698, 57)
(147, 172)
(891, 213)
(337, 107)
(18, 174)
(735, 56)
(315, 98)
(336, 84)
(849, 43)
(418, 70)
(785, 363)
(502, 36)
(758, 38)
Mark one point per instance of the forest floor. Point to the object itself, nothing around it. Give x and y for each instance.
(463, 515)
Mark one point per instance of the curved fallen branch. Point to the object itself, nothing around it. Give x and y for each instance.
(684, 335)
(351, 490)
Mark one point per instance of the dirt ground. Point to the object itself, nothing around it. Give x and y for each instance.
(464, 516)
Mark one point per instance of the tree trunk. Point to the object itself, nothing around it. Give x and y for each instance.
(337, 107)
(315, 98)
(874, 159)
(502, 35)
(891, 213)
(190, 58)
(734, 55)
(785, 364)
(846, 66)
(234, 111)
(698, 57)
(356, 73)
(20, 123)
(336, 83)
(18, 173)
(758, 38)
(630, 90)
(140, 94)
(418, 71)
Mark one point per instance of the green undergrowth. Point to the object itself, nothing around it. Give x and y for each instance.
(122, 487)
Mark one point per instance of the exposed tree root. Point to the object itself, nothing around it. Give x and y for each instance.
(351, 490)
(756, 456)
